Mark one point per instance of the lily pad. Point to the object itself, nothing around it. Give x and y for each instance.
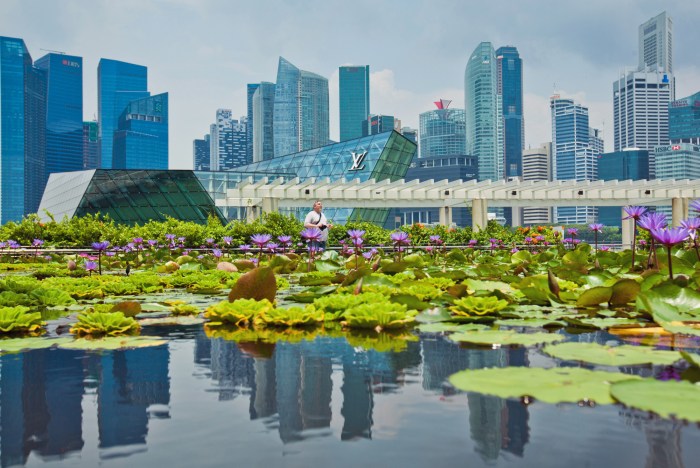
(671, 398)
(594, 296)
(557, 385)
(534, 322)
(179, 320)
(692, 358)
(443, 327)
(505, 337)
(602, 323)
(257, 284)
(112, 342)
(624, 292)
(24, 344)
(623, 355)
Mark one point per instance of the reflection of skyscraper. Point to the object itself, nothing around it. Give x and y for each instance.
(131, 381)
(11, 410)
(358, 399)
(231, 368)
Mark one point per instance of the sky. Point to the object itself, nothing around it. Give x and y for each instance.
(205, 52)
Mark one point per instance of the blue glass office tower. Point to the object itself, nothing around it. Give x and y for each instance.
(482, 105)
(510, 87)
(376, 124)
(91, 147)
(263, 118)
(300, 110)
(141, 138)
(200, 154)
(252, 87)
(22, 124)
(354, 100)
(574, 154)
(64, 112)
(442, 131)
(236, 142)
(620, 165)
(118, 83)
(684, 120)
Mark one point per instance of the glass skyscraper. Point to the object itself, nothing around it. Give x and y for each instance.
(118, 83)
(620, 165)
(684, 120)
(22, 124)
(354, 100)
(574, 153)
(442, 131)
(64, 112)
(263, 112)
(252, 87)
(482, 105)
(200, 154)
(510, 87)
(141, 137)
(300, 110)
(375, 124)
(91, 148)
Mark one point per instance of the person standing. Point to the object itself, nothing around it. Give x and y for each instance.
(316, 219)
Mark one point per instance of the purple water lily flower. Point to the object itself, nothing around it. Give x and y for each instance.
(100, 246)
(635, 212)
(368, 255)
(170, 237)
(244, 248)
(311, 234)
(227, 240)
(209, 240)
(90, 266)
(272, 247)
(691, 224)
(695, 205)
(260, 239)
(651, 221)
(572, 231)
(604, 248)
(216, 253)
(669, 238)
(37, 243)
(152, 242)
(355, 233)
(596, 227)
(399, 238)
(473, 242)
(138, 240)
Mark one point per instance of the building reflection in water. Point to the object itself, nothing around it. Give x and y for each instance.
(495, 423)
(40, 405)
(131, 381)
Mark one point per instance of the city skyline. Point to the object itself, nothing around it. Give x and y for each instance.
(202, 74)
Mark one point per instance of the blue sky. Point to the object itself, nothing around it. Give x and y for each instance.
(204, 52)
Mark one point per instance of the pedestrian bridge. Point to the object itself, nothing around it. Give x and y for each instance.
(269, 195)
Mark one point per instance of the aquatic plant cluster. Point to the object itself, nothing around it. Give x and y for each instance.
(532, 287)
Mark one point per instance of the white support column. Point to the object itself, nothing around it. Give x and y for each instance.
(270, 205)
(627, 231)
(446, 215)
(480, 215)
(517, 216)
(679, 210)
(251, 213)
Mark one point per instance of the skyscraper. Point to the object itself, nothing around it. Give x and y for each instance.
(482, 105)
(641, 96)
(510, 87)
(620, 165)
(263, 112)
(574, 153)
(375, 124)
(118, 83)
(656, 44)
(252, 87)
(442, 131)
(200, 154)
(64, 112)
(91, 148)
(141, 137)
(237, 146)
(537, 165)
(300, 110)
(22, 125)
(354, 100)
(684, 120)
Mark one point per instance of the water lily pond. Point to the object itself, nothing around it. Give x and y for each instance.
(556, 356)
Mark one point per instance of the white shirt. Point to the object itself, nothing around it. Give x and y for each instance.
(313, 218)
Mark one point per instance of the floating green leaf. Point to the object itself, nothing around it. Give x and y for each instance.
(104, 324)
(671, 398)
(22, 344)
(622, 355)
(624, 292)
(18, 320)
(692, 358)
(557, 385)
(595, 296)
(533, 322)
(257, 284)
(505, 337)
(602, 323)
(112, 342)
(443, 327)
(184, 320)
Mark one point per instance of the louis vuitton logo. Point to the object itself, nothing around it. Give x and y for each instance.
(357, 159)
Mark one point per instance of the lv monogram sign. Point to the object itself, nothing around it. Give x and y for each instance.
(357, 159)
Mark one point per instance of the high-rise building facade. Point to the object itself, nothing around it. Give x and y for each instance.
(141, 137)
(678, 161)
(354, 100)
(537, 166)
(442, 131)
(656, 44)
(22, 119)
(91, 148)
(300, 114)
(641, 97)
(574, 154)
(483, 112)
(510, 87)
(118, 83)
(236, 143)
(684, 120)
(221, 138)
(375, 124)
(64, 112)
(252, 87)
(200, 154)
(620, 165)
(263, 112)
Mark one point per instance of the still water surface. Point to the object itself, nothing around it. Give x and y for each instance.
(209, 402)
